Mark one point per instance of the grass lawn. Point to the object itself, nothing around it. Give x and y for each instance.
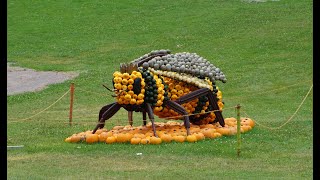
(264, 49)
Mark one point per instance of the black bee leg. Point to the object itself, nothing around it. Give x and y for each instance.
(217, 112)
(151, 117)
(130, 118)
(106, 112)
(104, 109)
(180, 109)
(212, 101)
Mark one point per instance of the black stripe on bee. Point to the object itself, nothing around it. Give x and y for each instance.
(137, 86)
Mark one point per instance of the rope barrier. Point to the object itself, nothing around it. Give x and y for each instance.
(267, 91)
(273, 128)
(45, 108)
(173, 117)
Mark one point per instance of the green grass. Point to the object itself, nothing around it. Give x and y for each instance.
(261, 47)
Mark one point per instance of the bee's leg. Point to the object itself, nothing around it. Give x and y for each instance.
(104, 109)
(151, 117)
(180, 109)
(212, 101)
(130, 118)
(106, 112)
(144, 117)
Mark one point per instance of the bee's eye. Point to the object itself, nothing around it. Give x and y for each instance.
(137, 86)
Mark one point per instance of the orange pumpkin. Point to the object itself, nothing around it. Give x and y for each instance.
(68, 139)
(99, 131)
(194, 129)
(208, 133)
(81, 134)
(207, 126)
(75, 138)
(149, 133)
(224, 131)
(247, 121)
(155, 140)
(124, 137)
(88, 132)
(216, 135)
(139, 135)
(111, 139)
(121, 138)
(199, 136)
(145, 141)
(103, 136)
(231, 121)
(166, 137)
(191, 138)
(92, 138)
(233, 130)
(179, 138)
(135, 140)
(182, 132)
(245, 128)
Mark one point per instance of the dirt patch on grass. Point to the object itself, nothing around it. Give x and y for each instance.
(21, 80)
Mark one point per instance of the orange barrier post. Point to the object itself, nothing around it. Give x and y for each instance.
(238, 130)
(71, 103)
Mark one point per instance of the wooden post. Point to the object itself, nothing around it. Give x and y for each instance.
(71, 103)
(238, 130)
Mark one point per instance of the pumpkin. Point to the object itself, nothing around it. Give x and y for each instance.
(75, 138)
(207, 126)
(149, 133)
(216, 135)
(155, 140)
(124, 137)
(182, 132)
(194, 129)
(135, 140)
(99, 131)
(233, 130)
(173, 131)
(199, 136)
(245, 128)
(103, 136)
(230, 121)
(139, 135)
(111, 139)
(92, 138)
(144, 141)
(88, 132)
(191, 138)
(166, 137)
(121, 137)
(68, 139)
(179, 138)
(160, 132)
(247, 121)
(224, 131)
(208, 133)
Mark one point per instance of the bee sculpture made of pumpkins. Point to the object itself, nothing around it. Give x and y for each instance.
(174, 86)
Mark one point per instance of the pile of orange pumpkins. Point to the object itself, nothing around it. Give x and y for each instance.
(171, 131)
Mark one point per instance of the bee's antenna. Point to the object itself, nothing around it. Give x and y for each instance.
(107, 88)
